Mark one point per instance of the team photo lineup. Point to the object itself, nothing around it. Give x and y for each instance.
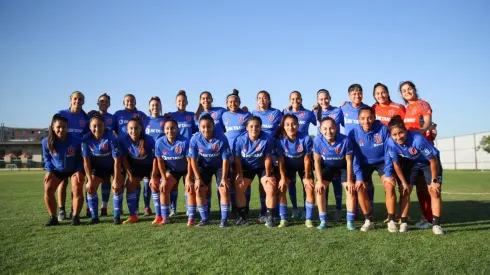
(223, 149)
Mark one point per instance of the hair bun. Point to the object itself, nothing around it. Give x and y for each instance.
(181, 92)
(235, 92)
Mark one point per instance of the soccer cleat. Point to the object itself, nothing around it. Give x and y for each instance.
(223, 224)
(89, 215)
(52, 221)
(190, 223)
(75, 220)
(262, 220)
(338, 215)
(94, 221)
(350, 225)
(172, 213)
(148, 212)
(131, 219)
(157, 220)
(436, 229)
(71, 214)
(423, 224)
(103, 212)
(323, 225)
(309, 224)
(62, 216)
(295, 215)
(164, 221)
(403, 227)
(241, 221)
(392, 227)
(117, 221)
(203, 223)
(269, 222)
(367, 226)
(283, 223)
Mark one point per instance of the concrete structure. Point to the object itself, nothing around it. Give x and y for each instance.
(460, 152)
(22, 134)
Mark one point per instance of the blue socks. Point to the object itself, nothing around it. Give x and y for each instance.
(117, 201)
(283, 211)
(225, 208)
(93, 204)
(132, 202)
(309, 210)
(203, 211)
(192, 211)
(173, 199)
(146, 192)
(165, 208)
(156, 203)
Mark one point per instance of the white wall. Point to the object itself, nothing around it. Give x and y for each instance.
(460, 152)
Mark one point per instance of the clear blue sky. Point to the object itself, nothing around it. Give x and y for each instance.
(50, 48)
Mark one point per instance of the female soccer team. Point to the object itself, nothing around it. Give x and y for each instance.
(234, 146)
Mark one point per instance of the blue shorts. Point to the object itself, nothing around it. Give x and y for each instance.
(368, 169)
(329, 173)
(207, 174)
(411, 170)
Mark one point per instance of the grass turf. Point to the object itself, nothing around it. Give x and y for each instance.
(27, 246)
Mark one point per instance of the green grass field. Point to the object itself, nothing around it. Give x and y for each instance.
(26, 246)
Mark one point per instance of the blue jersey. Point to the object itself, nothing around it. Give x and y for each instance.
(65, 157)
(294, 152)
(185, 121)
(416, 148)
(234, 124)
(333, 155)
(335, 113)
(371, 146)
(78, 124)
(270, 120)
(252, 154)
(351, 116)
(153, 126)
(103, 152)
(130, 150)
(209, 153)
(174, 155)
(110, 122)
(122, 118)
(305, 117)
(216, 113)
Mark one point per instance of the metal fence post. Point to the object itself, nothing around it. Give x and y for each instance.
(454, 150)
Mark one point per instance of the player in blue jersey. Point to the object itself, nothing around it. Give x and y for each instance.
(123, 116)
(294, 149)
(171, 151)
(412, 154)
(253, 152)
(206, 108)
(334, 153)
(369, 140)
(270, 118)
(305, 118)
(210, 155)
(234, 120)
(153, 127)
(138, 159)
(77, 127)
(62, 159)
(102, 159)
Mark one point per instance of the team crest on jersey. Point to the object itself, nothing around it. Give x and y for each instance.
(412, 150)
(226, 122)
(413, 112)
(54, 153)
(104, 146)
(108, 121)
(361, 142)
(324, 150)
(162, 123)
(70, 151)
(378, 139)
(135, 115)
(92, 147)
(214, 115)
(82, 123)
(338, 150)
(215, 147)
(271, 117)
(346, 114)
(245, 148)
(164, 151)
(258, 146)
(391, 113)
(188, 118)
(301, 114)
(299, 148)
(241, 118)
(178, 149)
(200, 149)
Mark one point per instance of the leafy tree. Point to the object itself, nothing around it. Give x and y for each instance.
(485, 144)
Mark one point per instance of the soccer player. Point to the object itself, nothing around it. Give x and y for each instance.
(210, 155)
(369, 142)
(62, 159)
(123, 116)
(333, 153)
(384, 108)
(305, 118)
(253, 156)
(324, 109)
(412, 154)
(77, 127)
(418, 118)
(270, 120)
(171, 151)
(138, 159)
(234, 120)
(102, 159)
(294, 149)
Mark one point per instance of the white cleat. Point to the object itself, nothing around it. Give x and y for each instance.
(423, 224)
(392, 227)
(403, 227)
(436, 229)
(62, 216)
(367, 226)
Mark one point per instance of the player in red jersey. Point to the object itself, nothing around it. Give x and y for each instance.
(418, 117)
(384, 108)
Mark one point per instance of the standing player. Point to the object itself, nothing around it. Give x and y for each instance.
(294, 149)
(77, 127)
(171, 151)
(418, 118)
(62, 159)
(305, 118)
(102, 159)
(138, 159)
(209, 155)
(253, 156)
(369, 143)
(412, 154)
(270, 120)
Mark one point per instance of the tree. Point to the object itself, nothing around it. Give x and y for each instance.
(485, 144)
